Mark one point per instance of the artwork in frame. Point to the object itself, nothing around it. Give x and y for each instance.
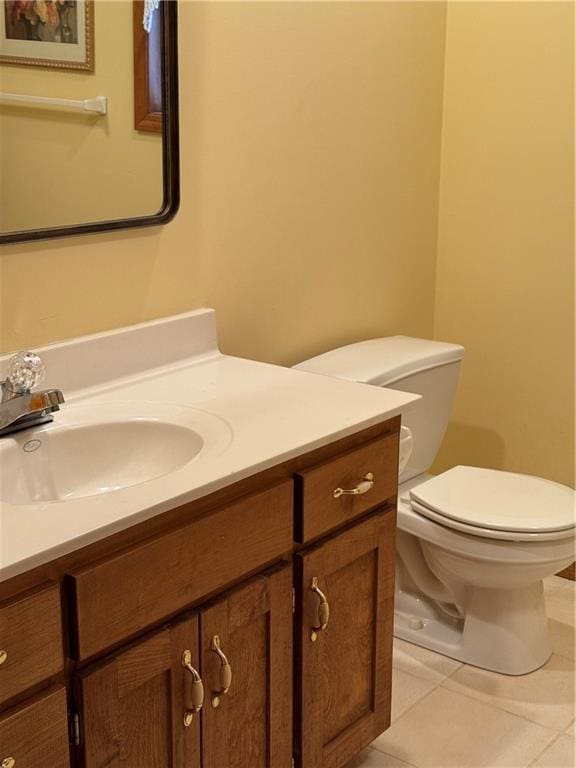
(47, 33)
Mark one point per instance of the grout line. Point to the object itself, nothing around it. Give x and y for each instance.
(451, 674)
(423, 679)
(439, 655)
(502, 709)
(411, 707)
(547, 747)
(561, 655)
(394, 757)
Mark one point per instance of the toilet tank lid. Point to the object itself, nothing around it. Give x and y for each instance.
(383, 361)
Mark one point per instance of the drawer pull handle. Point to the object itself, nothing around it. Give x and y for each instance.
(8, 762)
(197, 689)
(3, 657)
(366, 484)
(323, 610)
(225, 672)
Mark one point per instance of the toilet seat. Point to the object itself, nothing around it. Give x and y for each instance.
(489, 533)
(497, 505)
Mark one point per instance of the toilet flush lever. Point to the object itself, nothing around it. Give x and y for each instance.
(363, 486)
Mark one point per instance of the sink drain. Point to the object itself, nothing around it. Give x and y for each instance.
(31, 445)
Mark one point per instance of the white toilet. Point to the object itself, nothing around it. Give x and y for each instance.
(473, 544)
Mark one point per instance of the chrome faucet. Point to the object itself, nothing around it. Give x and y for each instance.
(20, 408)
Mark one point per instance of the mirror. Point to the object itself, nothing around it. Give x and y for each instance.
(88, 116)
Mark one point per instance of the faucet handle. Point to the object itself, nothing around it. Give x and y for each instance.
(25, 371)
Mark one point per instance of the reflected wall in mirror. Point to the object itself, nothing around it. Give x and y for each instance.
(66, 170)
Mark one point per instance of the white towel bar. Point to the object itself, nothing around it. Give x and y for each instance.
(99, 104)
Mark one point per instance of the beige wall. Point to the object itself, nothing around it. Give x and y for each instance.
(505, 282)
(310, 136)
(61, 167)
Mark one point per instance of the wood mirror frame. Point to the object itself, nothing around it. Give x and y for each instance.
(170, 156)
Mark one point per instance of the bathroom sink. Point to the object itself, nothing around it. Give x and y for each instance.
(98, 448)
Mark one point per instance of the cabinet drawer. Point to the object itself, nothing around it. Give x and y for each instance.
(318, 511)
(30, 640)
(122, 595)
(37, 734)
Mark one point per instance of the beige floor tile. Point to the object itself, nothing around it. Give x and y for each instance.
(560, 599)
(421, 662)
(560, 755)
(563, 638)
(545, 696)
(406, 691)
(448, 730)
(372, 758)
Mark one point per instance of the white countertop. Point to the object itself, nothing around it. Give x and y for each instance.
(272, 413)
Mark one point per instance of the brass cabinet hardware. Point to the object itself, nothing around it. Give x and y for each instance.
(3, 657)
(225, 672)
(197, 696)
(323, 610)
(366, 484)
(8, 762)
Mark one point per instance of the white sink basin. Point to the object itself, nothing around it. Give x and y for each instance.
(97, 448)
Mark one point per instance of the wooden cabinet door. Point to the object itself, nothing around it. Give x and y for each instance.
(132, 706)
(345, 669)
(250, 726)
(36, 734)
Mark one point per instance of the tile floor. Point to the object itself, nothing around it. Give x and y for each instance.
(448, 715)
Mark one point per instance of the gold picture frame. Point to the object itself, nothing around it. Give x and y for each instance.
(31, 34)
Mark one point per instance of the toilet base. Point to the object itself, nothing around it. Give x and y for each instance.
(503, 631)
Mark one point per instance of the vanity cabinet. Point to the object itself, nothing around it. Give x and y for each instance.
(36, 734)
(233, 658)
(251, 724)
(30, 639)
(173, 570)
(344, 642)
(325, 497)
(131, 707)
(269, 602)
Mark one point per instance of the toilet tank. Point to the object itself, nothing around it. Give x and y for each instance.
(426, 368)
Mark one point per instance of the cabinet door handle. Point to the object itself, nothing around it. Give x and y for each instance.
(323, 610)
(197, 696)
(8, 762)
(225, 672)
(366, 484)
(3, 657)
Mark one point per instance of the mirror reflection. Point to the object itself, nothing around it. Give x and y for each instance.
(80, 112)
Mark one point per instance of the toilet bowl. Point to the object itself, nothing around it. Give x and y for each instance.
(475, 594)
(473, 544)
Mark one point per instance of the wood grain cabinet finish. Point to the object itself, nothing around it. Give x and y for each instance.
(30, 640)
(122, 595)
(252, 725)
(345, 675)
(36, 734)
(301, 676)
(132, 706)
(318, 512)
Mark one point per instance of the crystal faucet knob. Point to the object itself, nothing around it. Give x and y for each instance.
(25, 371)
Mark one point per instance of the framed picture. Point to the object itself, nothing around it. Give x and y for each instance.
(47, 33)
